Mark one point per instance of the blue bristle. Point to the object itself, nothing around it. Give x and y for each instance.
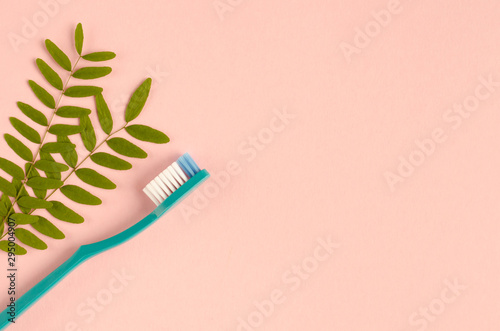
(191, 162)
(185, 166)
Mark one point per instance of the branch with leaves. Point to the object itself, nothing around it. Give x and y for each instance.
(45, 166)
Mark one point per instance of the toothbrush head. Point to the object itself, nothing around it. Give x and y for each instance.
(180, 173)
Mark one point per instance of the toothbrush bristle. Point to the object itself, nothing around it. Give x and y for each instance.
(170, 179)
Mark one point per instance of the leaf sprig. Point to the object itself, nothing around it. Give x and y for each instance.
(49, 165)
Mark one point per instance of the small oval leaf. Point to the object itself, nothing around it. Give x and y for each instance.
(59, 147)
(23, 218)
(103, 114)
(94, 178)
(7, 187)
(50, 166)
(5, 205)
(63, 213)
(70, 157)
(34, 203)
(44, 156)
(11, 168)
(42, 95)
(65, 129)
(72, 112)
(99, 56)
(25, 130)
(18, 147)
(79, 38)
(138, 100)
(31, 172)
(82, 91)
(58, 55)
(146, 133)
(110, 161)
(92, 72)
(13, 247)
(80, 195)
(88, 133)
(29, 239)
(44, 183)
(35, 115)
(50, 75)
(44, 226)
(125, 147)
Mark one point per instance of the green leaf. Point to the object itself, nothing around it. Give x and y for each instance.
(7, 187)
(94, 178)
(92, 72)
(99, 56)
(25, 130)
(82, 91)
(88, 133)
(24, 218)
(63, 213)
(125, 147)
(70, 157)
(44, 226)
(79, 38)
(44, 156)
(34, 203)
(80, 195)
(33, 173)
(103, 114)
(50, 166)
(72, 112)
(42, 95)
(50, 75)
(137, 101)
(5, 205)
(16, 249)
(35, 115)
(28, 238)
(11, 168)
(58, 55)
(18, 147)
(58, 147)
(64, 129)
(44, 183)
(21, 192)
(146, 133)
(110, 161)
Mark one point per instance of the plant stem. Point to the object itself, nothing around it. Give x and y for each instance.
(84, 159)
(41, 142)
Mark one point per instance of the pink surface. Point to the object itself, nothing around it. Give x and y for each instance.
(413, 246)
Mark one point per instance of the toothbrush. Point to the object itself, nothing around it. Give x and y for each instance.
(166, 190)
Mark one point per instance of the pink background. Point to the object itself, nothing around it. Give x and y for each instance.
(219, 80)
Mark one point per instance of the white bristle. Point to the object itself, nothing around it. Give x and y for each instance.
(179, 171)
(151, 196)
(176, 177)
(167, 182)
(162, 185)
(170, 178)
(159, 190)
(152, 190)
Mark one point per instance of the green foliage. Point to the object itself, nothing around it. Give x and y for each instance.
(125, 147)
(82, 91)
(48, 157)
(146, 133)
(92, 72)
(33, 114)
(72, 112)
(99, 56)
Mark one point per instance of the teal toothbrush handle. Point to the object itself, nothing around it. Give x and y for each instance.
(87, 251)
